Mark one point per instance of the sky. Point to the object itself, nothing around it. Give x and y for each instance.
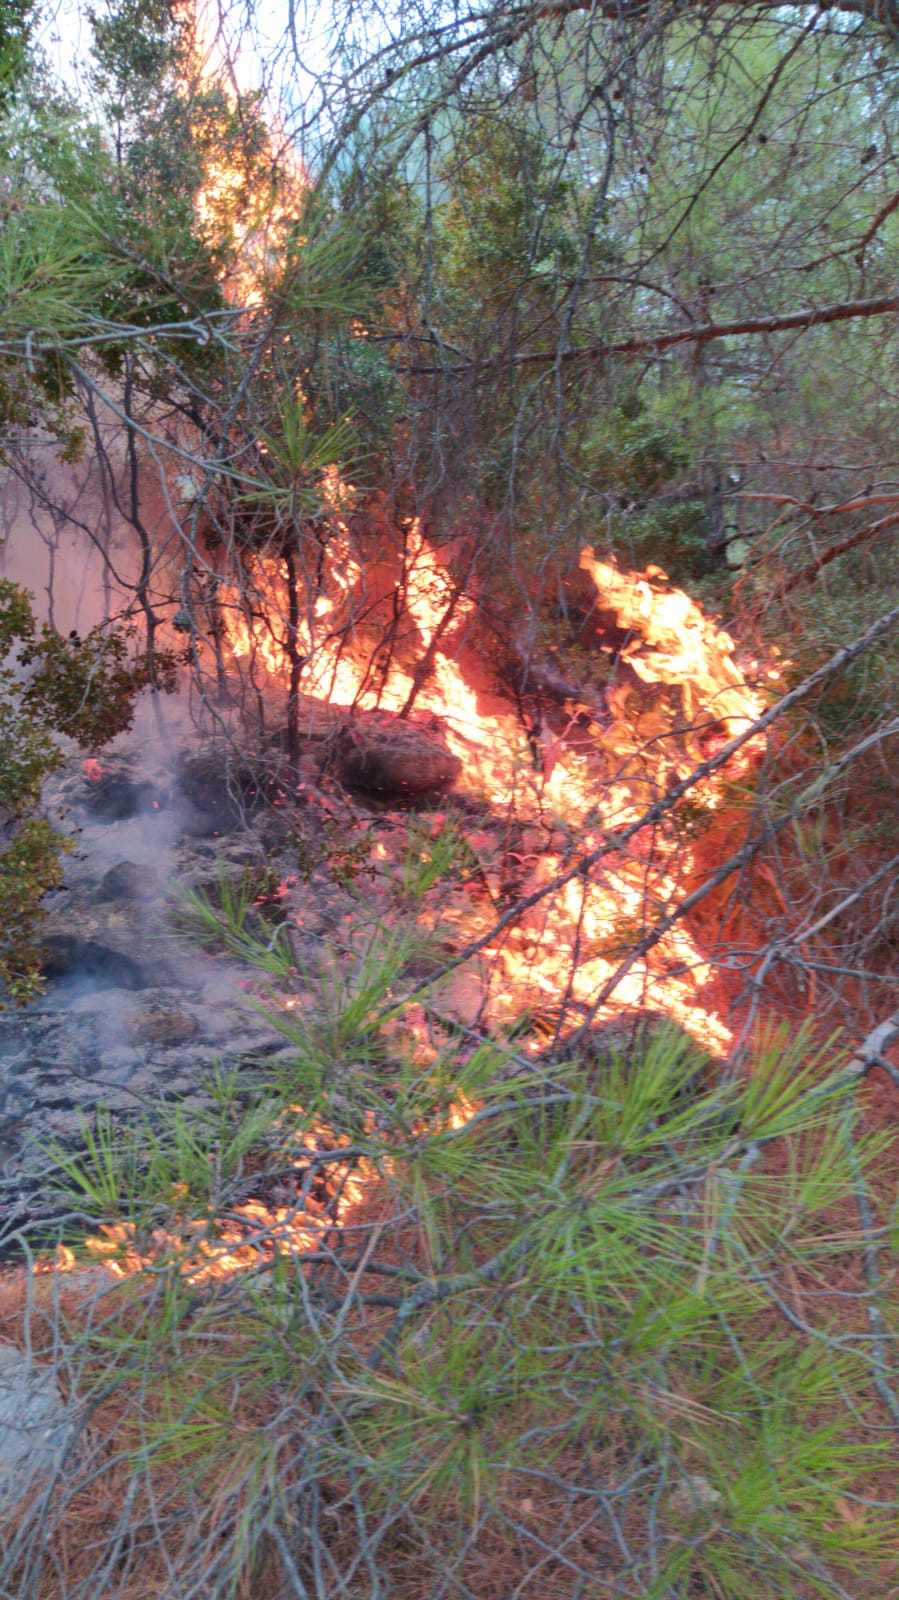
(65, 35)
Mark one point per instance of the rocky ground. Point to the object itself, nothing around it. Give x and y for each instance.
(134, 1010)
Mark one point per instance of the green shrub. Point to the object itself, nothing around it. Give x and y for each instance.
(50, 685)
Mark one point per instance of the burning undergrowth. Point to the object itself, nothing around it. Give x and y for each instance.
(462, 1288)
(537, 892)
(553, 776)
(487, 1332)
(496, 1275)
(420, 1306)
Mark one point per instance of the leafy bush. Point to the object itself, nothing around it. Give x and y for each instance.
(50, 685)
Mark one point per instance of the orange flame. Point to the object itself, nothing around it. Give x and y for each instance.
(573, 942)
(251, 1235)
(259, 218)
(576, 941)
(572, 945)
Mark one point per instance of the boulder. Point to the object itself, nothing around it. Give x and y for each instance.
(109, 942)
(220, 786)
(107, 789)
(391, 757)
(127, 880)
(164, 1025)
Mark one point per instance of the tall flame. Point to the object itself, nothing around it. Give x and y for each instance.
(597, 776)
(260, 210)
(577, 941)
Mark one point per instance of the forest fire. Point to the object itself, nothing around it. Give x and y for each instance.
(569, 782)
(675, 689)
(580, 781)
(675, 695)
(585, 781)
(445, 1031)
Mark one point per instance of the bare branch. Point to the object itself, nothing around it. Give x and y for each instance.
(811, 317)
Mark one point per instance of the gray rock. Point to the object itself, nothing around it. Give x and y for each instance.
(112, 943)
(161, 1025)
(220, 785)
(127, 880)
(694, 1495)
(36, 1428)
(106, 788)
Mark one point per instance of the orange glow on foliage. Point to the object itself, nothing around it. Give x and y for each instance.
(676, 696)
(679, 696)
(250, 1235)
(257, 211)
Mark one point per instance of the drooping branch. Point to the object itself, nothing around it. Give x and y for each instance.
(882, 13)
(703, 333)
(851, 541)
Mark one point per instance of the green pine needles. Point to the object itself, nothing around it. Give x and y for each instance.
(620, 1324)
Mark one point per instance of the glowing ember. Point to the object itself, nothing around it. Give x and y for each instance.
(92, 769)
(250, 1235)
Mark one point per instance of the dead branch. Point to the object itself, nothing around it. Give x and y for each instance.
(862, 502)
(885, 211)
(703, 333)
(883, 13)
(872, 1047)
(851, 542)
(810, 317)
